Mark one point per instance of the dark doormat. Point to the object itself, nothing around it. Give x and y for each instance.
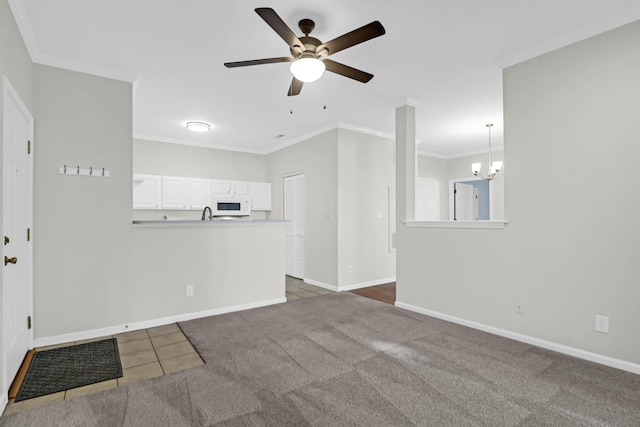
(65, 368)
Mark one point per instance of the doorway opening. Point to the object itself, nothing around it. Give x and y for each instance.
(469, 199)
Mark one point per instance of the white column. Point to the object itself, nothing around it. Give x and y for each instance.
(406, 164)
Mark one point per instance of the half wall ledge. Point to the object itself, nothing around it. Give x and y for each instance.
(497, 224)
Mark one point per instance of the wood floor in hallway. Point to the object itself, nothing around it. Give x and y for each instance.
(385, 292)
(297, 289)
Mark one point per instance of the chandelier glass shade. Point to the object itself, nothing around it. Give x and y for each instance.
(494, 166)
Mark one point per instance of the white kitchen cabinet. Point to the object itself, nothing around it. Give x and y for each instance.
(220, 187)
(185, 193)
(229, 188)
(147, 191)
(260, 196)
(174, 192)
(240, 188)
(199, 193)
(181, 193)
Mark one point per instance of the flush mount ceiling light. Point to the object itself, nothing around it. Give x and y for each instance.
(494, 167)
(199, 126)
(307, 69)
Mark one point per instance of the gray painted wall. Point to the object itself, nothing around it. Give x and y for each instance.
(366, 170)
(347, 176)
(82, 225)
(571, 129)
(161, 158)
(228, 265)
(317, 158)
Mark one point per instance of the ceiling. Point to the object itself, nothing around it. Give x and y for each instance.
(443, 57)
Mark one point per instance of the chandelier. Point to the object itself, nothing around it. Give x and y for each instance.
(494, 167)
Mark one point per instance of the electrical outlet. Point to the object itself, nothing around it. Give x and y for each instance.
(519, 306)
(189, 290)
(350, 269)
(602, 324)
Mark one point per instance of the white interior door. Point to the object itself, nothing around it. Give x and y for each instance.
(294, 211)
(464, 202)
(17, 196)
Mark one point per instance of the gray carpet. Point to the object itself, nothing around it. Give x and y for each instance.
(342, 359)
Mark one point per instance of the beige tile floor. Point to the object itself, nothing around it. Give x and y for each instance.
(296, 289)
(144, 354)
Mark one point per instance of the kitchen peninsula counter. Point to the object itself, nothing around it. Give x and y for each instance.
(213, 222)
(231, 265)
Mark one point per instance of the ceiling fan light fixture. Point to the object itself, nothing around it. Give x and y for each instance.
(198, 126)
(307, 69)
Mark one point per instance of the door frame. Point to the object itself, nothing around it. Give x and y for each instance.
(9, 93)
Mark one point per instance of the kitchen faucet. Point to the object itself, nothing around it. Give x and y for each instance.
(204, 213)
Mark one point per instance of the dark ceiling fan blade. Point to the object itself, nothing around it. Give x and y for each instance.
(345, 70)
(295, 88)
(273, 19)
(357, 36)
(258, 62)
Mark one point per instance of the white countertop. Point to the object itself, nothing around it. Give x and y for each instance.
(200, 223)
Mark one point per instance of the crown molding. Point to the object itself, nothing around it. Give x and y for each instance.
(582, 33)
(82, 67)
(300, 138)
(24, 26)
(28, 35)
(153, 138)
(368, 131)
(460, 155)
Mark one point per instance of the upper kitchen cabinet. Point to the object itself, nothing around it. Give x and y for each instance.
(147, 191)
(174, 192)
(220, 187)
(260, 196)
(199, 193)
(181, 193)
(185, 193)
(229, 188)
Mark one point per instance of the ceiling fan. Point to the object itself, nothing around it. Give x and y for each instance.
(309, 55)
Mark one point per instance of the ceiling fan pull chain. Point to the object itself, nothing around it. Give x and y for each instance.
(325, 94)
(290, 105)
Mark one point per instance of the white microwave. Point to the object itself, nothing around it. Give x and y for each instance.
(231, 206)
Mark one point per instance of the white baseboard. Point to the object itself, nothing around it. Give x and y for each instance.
(146, 324)
(320, 284)
(560, 348)
(4, 400)
(349, 287)
(366, 284)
